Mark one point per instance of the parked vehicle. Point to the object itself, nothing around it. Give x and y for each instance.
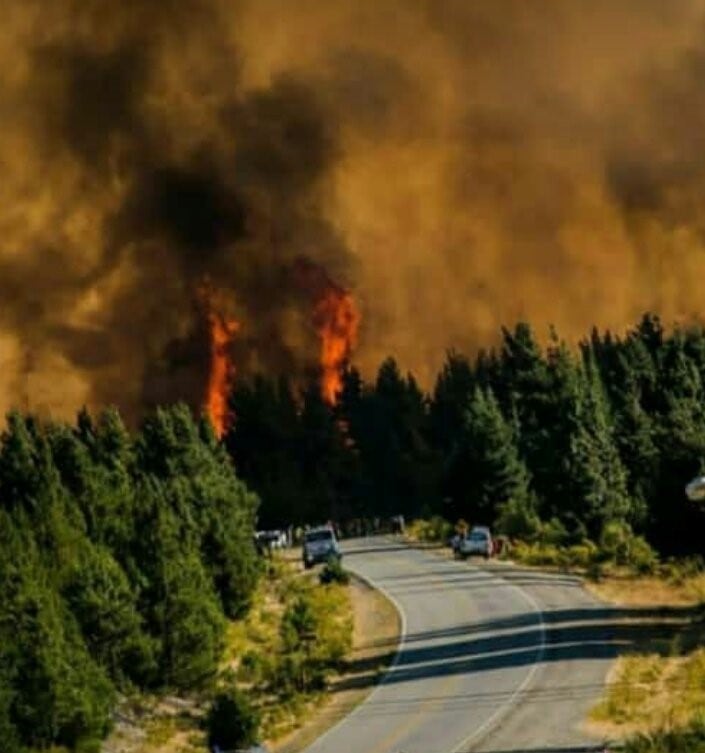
(269, 540)
(397, 524)
(320, 544)
(477, 542)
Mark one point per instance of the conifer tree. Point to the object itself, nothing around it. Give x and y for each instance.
(485, 470)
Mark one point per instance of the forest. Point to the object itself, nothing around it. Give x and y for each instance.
(124, 553)
(574, 437)
(121, 559)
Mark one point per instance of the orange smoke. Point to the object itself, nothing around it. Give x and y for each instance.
(336, 319)
(221, 331)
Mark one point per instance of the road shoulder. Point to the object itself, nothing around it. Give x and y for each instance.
(376, 635)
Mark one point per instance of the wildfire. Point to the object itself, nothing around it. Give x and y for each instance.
(222, 371)
(336, 319)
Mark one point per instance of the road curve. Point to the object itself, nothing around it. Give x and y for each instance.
(493, 659)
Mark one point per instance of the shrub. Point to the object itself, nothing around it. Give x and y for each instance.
(554, 533)
(256, 667)
(615, 541)
(518, 520)
(316, 633)
(641, 556)
(333, 572)
(679, 571)
(537, 554)
(619, 544)
(232, 721)
(434, 530)
(688, 740)
(581, 555)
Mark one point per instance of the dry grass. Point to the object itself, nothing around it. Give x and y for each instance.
(627, 589)
(659, 685)
(154, 725)
(651, 693)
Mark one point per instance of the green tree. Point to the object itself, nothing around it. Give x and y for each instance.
(59, 694)
(598, 481)
(214, 510)
(264, 442)
(101, 599)
(485, 470)
(453, 390)
(233, 722)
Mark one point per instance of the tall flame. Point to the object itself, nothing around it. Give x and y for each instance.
(336, 319)
(221, 332)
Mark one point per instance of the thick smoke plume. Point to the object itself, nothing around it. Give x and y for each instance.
(457, 164)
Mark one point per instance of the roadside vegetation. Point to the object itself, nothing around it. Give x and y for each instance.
(122, 557)
(656, 692)
(274, 672)
(297, 634)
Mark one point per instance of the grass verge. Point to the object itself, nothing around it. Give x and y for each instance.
(655, 694)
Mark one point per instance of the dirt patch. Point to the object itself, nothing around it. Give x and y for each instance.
(376, 634)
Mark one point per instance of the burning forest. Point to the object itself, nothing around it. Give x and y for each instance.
(356, 180)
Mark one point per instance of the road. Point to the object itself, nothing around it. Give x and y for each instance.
(493, 659)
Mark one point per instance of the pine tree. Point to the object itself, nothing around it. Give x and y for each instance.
(676, 525)
(263, 443)
(453, 390)
(103, 603)
(59, 694)
(598, 478)
(215, 511)
(485, 470)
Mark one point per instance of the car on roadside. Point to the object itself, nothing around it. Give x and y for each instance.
(320, 544)
(477, 542)
(270, 540)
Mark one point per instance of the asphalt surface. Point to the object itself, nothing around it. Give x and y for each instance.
(493, 659)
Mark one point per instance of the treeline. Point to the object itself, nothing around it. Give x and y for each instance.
(576, 439)
(120, 558)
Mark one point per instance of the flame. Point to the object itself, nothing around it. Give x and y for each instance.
(221, 332)
(336, 319)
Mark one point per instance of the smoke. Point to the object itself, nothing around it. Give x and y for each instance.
(457, 164)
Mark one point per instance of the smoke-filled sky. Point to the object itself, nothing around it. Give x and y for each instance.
(458, 164)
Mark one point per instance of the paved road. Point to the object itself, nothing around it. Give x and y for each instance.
(494, 659)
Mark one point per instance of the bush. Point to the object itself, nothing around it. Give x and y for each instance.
(641, 556)
(581, 555)
(554, 533)
(619, 544)
(256, 667)
(232, 721)
(679, 571)
(615, 540)
(518, 520)
(688, 740)
(316, 633)
(434, 530)
(333, 572)
(540, 555)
